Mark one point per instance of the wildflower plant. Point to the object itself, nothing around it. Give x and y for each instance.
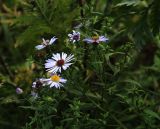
(89, 71)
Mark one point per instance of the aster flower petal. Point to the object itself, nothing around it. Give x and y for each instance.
(64, 55)
(50, 64)
(53, 70)
(34, 85)
(88, 40)
(66, 66)
(53, 84)
(39, 47)
(63, 80)
(103, 39)
(58, 56)
(49, 60)
(54, 57)
(48, 82)
(52, 40)
(59, 85)
(69, 58)
(69, 35)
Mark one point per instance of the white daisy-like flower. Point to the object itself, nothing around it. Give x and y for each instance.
(58, 62)
(55, 81)
(38, 83)
(74, 37)
(96, 39)
(46, 43)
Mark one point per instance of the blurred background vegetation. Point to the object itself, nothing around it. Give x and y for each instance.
(130, 74)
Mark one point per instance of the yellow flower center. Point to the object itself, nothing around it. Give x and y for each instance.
(55, 78)
(95, 37)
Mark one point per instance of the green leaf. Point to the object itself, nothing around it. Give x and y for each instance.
(28, 107)
(132, 82)
(152, 113)
(129, 3)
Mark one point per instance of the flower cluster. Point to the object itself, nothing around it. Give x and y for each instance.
(75, 37)
(55, 65)
(59, 61)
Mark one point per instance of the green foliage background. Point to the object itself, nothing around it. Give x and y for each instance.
(110, 86)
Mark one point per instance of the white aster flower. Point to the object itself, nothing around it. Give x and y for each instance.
(96, 39)
(55, 81)
(74, 37)
(58, 62)
(46, 43)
